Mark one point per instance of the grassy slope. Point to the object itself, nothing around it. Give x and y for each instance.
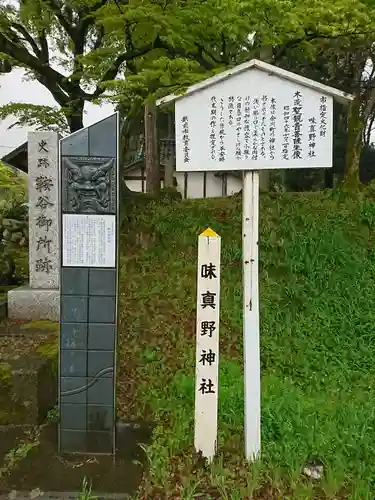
(317, 346)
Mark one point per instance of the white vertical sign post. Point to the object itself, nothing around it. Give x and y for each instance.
(207, 344)
(250, 225)
(253, 117)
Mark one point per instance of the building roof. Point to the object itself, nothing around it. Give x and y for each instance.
(271, 70)
(17, 158)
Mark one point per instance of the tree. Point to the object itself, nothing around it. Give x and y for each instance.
(162, 45)
(347, 63)
(158, 47)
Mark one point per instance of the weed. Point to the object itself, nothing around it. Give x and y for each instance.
(53, 415)
(15, 455)
(85, 493)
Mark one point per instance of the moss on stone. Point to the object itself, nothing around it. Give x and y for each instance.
(5, 372)
(41, 325)
(50, 351)
(10, 409)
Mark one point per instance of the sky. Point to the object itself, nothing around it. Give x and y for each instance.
(13, 88)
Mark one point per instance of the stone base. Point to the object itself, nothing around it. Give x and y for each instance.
(34, 304)
(28, 391)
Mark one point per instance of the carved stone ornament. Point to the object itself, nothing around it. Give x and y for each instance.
(89, 185)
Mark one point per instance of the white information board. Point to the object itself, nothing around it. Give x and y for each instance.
(253, 121)
(89, 240)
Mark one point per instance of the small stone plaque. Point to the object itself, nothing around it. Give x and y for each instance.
(73, 416)
(73, 390)
(73, 363)
(102, 282)
(101, 337)
(73, 336)
(74, 281)
(101, 393)
(73, 309)
(102, 309)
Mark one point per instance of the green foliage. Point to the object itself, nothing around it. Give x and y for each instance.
(51, 352)
(41, 325)
(13, 186)
(156, 47)
(317, 292)
(197, 39)
(15, 455)
(53, 415)
(34, 115)
(5, 372)
(368, 214)
(13, 189)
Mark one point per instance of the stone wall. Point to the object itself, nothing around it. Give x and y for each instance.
(14, 236)
(14, 232)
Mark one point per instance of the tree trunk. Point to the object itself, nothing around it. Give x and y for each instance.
(354, 144)
(152, 160)
(169, 157)
(328, 178)
(359, 112)
(74, 115)
(266, 53)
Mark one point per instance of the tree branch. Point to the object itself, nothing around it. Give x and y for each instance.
(44, 50)
(128, 56)
(52, 79)
(309, 37)
(202, 50)
(86, 19)
(59, 95)
(224, 48)
(28, 38)
(66, 23)
(99, 38)
(177, 51)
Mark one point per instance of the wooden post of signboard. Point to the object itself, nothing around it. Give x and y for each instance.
(250, 224)
(207, 345)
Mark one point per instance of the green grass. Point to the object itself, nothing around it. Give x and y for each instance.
(317, 272)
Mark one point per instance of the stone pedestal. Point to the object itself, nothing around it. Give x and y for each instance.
(34, 304)
(29, 391)
(41, 299)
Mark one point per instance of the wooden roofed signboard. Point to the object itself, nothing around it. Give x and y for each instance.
(253, 117)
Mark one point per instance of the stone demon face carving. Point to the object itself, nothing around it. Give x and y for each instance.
(89, 186)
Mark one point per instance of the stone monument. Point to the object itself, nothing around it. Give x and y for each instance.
(40, 300)
(89, 280)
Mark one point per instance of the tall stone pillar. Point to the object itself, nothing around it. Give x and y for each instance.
(40, 300)
(89, 284)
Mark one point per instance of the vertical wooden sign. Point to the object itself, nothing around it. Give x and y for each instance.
(207, 351)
